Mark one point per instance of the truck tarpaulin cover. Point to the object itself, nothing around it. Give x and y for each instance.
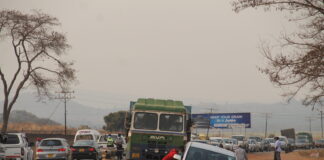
(222, 120)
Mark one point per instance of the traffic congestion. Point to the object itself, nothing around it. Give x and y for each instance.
(155, 130)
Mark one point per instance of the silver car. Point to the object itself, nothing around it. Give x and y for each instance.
(53, 148)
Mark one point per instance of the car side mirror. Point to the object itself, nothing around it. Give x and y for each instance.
(177, 157)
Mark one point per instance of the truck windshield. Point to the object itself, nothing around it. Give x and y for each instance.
(171, 122)
(145, 120)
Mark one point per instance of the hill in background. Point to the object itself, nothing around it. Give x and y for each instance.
(20, 116)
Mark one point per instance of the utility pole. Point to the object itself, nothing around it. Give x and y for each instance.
(65, 95)
(267, 115)
(211, 111)
(310, 123)
(322, 121)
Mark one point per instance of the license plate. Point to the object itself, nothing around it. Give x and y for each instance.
(50, 155)
(81, 150)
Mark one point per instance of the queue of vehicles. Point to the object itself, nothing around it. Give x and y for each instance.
(153, 128)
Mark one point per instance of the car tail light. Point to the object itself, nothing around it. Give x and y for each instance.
(91, 149)
(22, 151)
(40, 150)
(73, 149)
(61, 150)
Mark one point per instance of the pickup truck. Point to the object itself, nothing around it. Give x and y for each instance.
(17, 147)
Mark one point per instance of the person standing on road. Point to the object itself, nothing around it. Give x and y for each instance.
(240, 153)
(277, 146)
(110, 141)
(119, 147)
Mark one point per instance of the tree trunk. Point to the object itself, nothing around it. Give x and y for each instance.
(5, 116)
(5, 123)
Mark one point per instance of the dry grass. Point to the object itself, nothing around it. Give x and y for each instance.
(36, 128)
(317, 154)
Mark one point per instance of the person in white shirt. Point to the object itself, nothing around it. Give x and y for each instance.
(277, 146)
(240, 153)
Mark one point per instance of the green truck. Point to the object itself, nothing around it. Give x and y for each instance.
(304, 140)
(155, 126)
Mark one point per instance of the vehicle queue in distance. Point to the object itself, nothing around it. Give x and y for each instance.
(302, 140)
(90, 144)
(87, 144)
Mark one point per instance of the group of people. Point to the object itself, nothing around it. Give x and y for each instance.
(119, 145)
(239, 152)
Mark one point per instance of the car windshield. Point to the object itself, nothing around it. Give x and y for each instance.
(12, 139)
(84, 143)
(84, 137)
(202, 154)
(171, 122)
(271, 140)
(217, 140)
(239, 138)
(251, 141)
(227, 140)
(51, 143)
(258, 139)
(146, 121)
(282, 139)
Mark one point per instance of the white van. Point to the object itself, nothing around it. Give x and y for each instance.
(87, 134)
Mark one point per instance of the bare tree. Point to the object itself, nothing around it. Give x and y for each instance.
(298, 64)
(38, 51)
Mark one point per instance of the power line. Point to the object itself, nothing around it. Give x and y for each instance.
(310, 119)
(65, 95)
(48, 119)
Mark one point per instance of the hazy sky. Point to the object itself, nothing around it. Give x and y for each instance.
(176, 49)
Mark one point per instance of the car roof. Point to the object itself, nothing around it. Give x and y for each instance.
(211, 138)
(62, 139)
(211, 148)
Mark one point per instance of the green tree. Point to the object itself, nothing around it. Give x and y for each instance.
(37, 50)
(297, 65)
(115, 121)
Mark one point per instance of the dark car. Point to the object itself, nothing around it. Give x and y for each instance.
(86, 149)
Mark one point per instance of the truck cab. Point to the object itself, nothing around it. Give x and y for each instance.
(156, 126)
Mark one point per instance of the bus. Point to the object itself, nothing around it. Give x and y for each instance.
(155, 126)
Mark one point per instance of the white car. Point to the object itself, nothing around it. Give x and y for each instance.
(272, 142)
(201, 151)
(253, 145)
(17, 147)
(228, 143)
(215, 141)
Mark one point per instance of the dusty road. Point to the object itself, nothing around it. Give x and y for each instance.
(316, 154)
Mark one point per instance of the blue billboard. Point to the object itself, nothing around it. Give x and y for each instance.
(222, 120)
